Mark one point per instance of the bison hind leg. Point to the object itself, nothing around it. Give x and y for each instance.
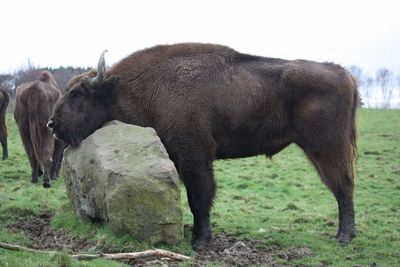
(334, 164)
(35, 169)
(47, 173)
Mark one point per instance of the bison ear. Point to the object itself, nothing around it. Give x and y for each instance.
(106, 88)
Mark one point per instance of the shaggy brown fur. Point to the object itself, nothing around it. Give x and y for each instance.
(210, 102)
(33, 107)
(4, 100)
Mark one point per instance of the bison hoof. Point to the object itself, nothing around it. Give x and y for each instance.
(4, 157)
(46, 185)
(345, 239)
(34, 181)
(201, 243)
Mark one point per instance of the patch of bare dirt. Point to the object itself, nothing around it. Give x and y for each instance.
(226, 250)
(232, 251)
(44, 237)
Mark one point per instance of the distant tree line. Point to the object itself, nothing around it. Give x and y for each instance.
(385, 85)
(31, 72)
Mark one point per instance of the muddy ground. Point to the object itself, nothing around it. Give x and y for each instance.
(225, 250)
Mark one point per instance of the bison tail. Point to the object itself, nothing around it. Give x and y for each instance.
(353, 133)
(34, 126)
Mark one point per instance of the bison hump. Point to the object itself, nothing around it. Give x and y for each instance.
(45, 76)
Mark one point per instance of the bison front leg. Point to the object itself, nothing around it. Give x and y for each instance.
(200, 187)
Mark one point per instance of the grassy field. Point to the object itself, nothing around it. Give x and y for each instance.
(279, 202)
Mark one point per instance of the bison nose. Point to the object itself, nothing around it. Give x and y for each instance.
(51, 123)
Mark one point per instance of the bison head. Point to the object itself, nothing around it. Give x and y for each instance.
(85, 106)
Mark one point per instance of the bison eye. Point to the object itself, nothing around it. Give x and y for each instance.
(78, 94)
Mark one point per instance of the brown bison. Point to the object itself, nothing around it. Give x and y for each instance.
(34, 104)
(4, 100)
(210, 102)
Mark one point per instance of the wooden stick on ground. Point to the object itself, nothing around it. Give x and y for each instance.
(115, 256)
(21, 248)
(134, 255)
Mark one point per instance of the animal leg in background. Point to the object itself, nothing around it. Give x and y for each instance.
(47, 162)
(35, 166)
(3, 141)
(59, 147)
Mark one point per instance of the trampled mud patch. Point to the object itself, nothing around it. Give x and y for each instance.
(225, 250)
(231, 251)
(44, 237)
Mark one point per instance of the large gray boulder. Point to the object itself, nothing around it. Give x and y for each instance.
(122, 175)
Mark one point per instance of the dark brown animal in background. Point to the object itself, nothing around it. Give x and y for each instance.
(33, 107)
(210, 102)
(4, 100)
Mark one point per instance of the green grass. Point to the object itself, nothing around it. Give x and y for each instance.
(281, 202)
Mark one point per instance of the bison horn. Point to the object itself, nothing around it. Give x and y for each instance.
(101, 69)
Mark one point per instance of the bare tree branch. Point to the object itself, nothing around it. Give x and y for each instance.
(368, 83)
(384, 77)
(357, 73)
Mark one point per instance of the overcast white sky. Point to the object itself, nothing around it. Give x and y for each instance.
(74, 32)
